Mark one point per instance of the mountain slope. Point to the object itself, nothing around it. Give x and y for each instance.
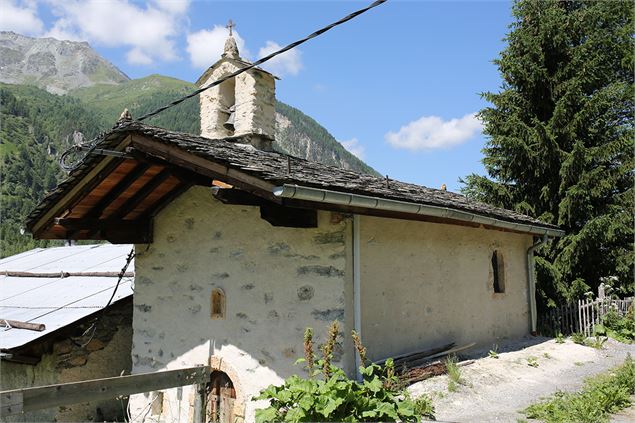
(57, 66)
(296, 133)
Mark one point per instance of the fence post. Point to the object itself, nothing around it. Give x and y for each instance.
(580, 315)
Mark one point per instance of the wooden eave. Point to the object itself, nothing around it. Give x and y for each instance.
(117, 200)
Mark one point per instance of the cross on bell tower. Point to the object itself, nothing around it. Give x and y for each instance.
(230, 25)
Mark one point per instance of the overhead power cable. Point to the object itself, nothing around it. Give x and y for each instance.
(90, 146)
(263, 60)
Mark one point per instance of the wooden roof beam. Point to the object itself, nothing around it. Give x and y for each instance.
(116, 231)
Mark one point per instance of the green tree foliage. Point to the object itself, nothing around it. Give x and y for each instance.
(560, 144)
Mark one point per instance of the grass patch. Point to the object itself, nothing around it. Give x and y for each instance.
(532, 361)
(578, 338)
(601, 396)
(581, 339)
(454, 373)
(493, 353)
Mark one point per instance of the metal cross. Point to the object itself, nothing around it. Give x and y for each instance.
(231, 24)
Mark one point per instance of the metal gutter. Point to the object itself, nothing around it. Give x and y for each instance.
(355, 200)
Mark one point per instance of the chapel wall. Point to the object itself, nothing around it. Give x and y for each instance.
(427, 284)
(277, 281)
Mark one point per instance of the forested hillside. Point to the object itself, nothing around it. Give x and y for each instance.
(34, 126)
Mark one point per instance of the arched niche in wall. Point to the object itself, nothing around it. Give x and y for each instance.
(217, 304)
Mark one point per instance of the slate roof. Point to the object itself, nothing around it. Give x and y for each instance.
(58, 301)
(278, 168)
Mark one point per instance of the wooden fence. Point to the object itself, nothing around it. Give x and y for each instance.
(581, 316)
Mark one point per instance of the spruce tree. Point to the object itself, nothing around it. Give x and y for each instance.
(560, 139)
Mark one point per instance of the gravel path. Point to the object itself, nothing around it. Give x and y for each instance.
(496, 390)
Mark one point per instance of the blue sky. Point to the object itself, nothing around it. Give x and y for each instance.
(398, 85)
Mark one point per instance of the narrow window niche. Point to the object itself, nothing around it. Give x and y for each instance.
(498, 272)
(218, 304)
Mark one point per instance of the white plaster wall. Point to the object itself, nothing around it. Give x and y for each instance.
(277, 282)
(426, 284)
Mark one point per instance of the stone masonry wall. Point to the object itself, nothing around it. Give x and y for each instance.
(71, 357)
(277, 282)
(255, 104)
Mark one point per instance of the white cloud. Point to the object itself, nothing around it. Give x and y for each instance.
(289, 62)
(432, 132)
(148, 30)
(206, 46)
(136, 56)
(63, 30)
(20, 17)
(173, 6)
(354, 146)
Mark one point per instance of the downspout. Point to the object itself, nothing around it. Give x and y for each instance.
(533, 312)
(357, 295)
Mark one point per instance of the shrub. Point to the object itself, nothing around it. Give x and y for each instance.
(327, 394)
(616, 327)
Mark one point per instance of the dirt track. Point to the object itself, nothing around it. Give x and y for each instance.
(497, 390)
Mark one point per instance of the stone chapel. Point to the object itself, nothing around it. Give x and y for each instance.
(239, 248)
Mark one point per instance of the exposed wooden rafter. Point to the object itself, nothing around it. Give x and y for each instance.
(87, 183)
(140, 195)
(118, 189)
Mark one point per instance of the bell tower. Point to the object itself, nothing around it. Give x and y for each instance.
(242, 108)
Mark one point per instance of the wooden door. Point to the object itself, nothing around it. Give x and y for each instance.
(221, 396)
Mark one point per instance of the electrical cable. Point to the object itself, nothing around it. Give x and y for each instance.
(91, 145)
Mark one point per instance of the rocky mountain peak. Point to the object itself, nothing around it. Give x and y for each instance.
(57, 66)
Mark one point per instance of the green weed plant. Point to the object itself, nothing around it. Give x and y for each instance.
(327, 394)
(601, 396)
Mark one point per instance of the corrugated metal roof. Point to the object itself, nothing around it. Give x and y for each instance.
(58, 301)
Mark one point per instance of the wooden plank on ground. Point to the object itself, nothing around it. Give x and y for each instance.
(29, 399)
